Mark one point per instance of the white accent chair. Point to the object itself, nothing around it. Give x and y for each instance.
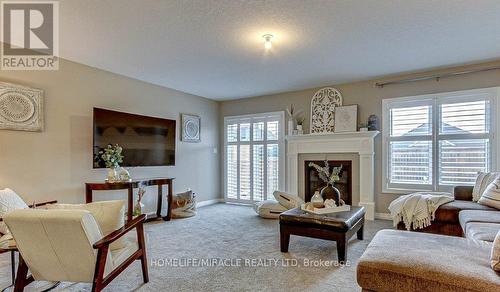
(67, 245)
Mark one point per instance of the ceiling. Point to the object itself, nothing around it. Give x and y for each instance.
(214, 48)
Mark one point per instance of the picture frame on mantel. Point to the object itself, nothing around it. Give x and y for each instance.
(191, 128)
(346, 118)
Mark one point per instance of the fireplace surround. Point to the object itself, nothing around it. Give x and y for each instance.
(361, 143)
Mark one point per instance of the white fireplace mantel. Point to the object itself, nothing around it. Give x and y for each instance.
(347, 142)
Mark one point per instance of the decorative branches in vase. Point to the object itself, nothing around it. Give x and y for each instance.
(330, 178)
(139, 206)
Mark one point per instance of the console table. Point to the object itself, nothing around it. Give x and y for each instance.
(130, 186)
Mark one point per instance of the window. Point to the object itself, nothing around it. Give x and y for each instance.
(434, 142)
(253, 164)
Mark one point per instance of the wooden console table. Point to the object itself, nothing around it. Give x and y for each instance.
(130, 186)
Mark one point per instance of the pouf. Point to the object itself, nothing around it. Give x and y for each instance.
(184, 205)
(269, 209)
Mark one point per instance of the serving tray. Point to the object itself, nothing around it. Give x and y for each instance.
(321, 211)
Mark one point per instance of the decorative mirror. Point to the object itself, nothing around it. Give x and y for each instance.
(323, 106)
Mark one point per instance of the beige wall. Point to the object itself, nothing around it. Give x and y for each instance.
(55, 163)
(369, 98)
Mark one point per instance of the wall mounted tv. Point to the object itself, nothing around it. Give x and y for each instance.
(146, 141)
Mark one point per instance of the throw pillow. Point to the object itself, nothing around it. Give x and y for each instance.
(9, 201)
(287, 200)
(109, 215)
(491, 195)
(269, 209)
(495, 253)
(482, 181)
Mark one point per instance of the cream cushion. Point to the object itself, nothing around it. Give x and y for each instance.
(491, 195)
(57, 244)
(9, 201)
(288, 201)
(495, 253)
(482, 181)
(269, 209)
(108, 214)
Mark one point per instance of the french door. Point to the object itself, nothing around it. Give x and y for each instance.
(253, 156)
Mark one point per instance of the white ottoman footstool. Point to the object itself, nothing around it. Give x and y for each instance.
(269, 209)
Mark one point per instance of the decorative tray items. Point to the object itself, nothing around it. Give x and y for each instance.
(326, 207)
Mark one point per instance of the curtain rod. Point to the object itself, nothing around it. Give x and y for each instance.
(436, 76)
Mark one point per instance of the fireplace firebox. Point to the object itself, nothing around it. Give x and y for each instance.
(314, 183)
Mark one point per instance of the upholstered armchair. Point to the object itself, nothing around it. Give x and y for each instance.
(67, 245)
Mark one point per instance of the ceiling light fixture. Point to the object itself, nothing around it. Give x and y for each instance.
(268, 44)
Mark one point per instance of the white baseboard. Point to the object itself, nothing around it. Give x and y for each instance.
(383, 216)
(208, 203)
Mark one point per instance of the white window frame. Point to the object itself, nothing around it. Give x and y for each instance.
(251, 118)
(491, 94)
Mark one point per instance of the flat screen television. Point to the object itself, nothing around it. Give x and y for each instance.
(146, 141)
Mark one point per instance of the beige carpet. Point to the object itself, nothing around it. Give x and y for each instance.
(235, 234)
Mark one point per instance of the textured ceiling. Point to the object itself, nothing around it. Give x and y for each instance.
(214, 48)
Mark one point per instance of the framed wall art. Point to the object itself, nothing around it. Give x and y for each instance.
(191, 128)
(21, 108)
(346, 118)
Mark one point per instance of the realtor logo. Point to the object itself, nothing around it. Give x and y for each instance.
(30, 35)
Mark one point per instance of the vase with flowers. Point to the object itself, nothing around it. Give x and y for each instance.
(330, 178)
(112, 157)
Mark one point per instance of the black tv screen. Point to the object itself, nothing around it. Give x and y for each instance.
(146, 141)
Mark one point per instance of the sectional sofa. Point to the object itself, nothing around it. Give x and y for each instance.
(447, 219)
(397, 260)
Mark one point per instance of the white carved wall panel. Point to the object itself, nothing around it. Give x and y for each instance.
(323, 106)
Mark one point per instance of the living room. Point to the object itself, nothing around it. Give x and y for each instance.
(249, 142)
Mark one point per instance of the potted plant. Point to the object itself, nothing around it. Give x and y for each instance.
(300, 123)
(363, 127)
(292, 118)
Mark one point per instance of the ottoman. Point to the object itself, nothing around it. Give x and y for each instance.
(338, 227)
(413, 261)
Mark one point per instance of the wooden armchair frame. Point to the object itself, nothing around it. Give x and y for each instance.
(102, 247)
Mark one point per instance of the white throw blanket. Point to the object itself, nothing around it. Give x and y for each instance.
(417, 210)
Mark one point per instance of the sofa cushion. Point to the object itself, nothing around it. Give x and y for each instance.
(495, 254)
(411, 261)
(449, 212)
(482, 231)
(9, 201)
(491, 195)
(468, 216)
(108, 214)
(482, 181)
